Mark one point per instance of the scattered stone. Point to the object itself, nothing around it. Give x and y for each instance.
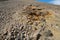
(34, 27)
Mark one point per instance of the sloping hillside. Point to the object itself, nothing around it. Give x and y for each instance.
(29, 20)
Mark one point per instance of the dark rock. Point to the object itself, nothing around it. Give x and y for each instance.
(48, 33)
(12, 39)
(6, 33)
(38, 36)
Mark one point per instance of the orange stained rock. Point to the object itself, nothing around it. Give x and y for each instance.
(35, 14)
(33, 7)
(29, 16)
(48, 13)
(36, 17)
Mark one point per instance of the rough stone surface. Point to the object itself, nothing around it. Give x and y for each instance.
(32, 21)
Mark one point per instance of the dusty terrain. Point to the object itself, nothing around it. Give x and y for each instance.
(29, 20)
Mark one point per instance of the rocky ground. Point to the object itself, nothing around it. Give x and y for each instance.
(29, 20)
